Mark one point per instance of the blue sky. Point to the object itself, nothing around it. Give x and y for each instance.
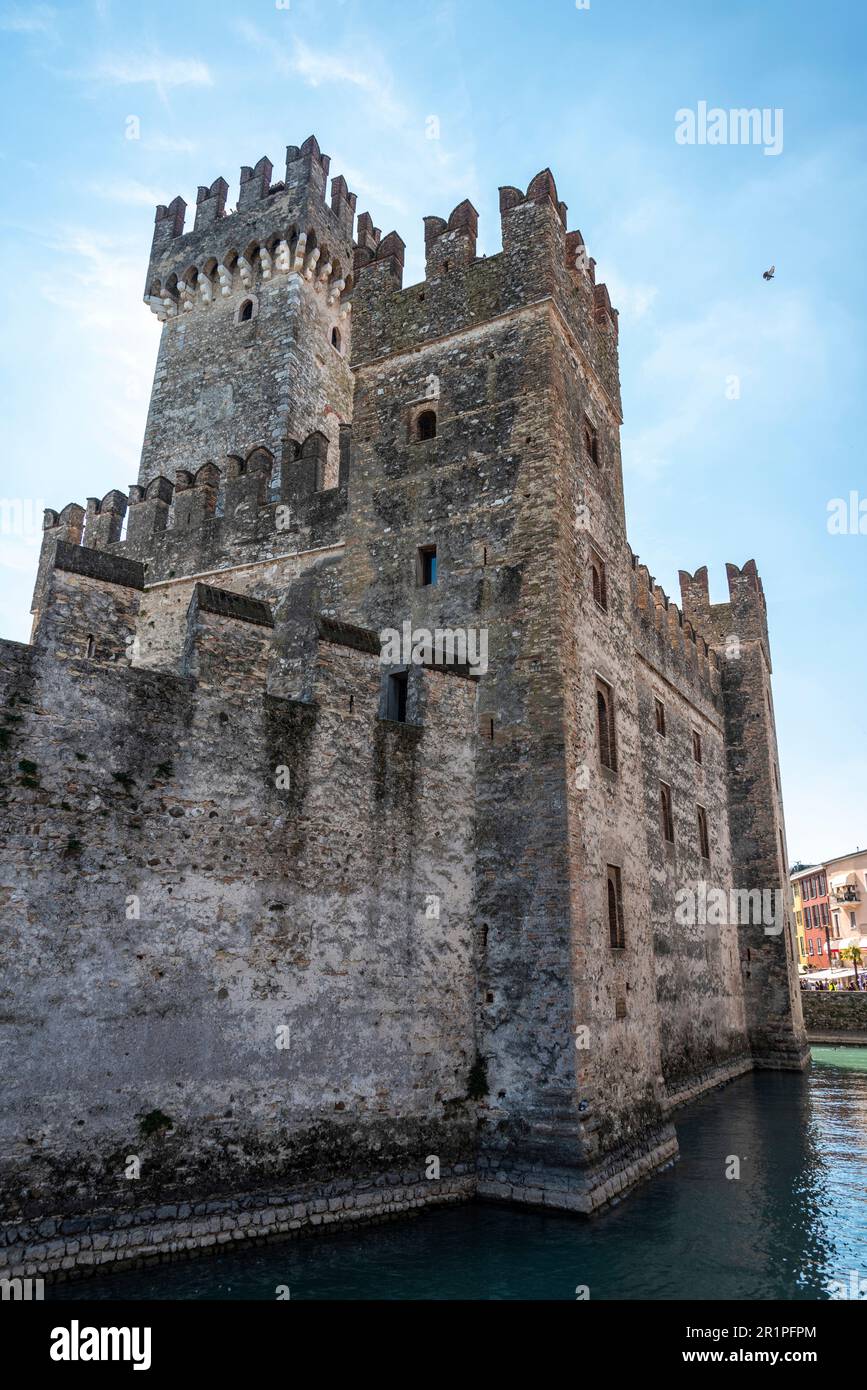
(681, 234)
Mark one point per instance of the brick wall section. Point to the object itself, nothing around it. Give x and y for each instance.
(760, 859)
(698, 974)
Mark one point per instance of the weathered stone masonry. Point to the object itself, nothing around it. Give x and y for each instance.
(277, 945)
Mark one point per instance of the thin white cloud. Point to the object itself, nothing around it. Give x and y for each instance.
(692, 363)
(111, 334)
(21, 553)
(169, 144)
(39, 20)
(129, 192)
(434, 172)
(377, 193)
(632, 299)
(318, 68)
(164, 73)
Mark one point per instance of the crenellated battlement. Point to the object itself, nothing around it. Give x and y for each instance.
(384, 254)
(255, 306)
(682, 638)
(253, 503)
(708, 626)
(540, 189)
(283, 228)
(745, 616)
(539, 261)
(306, 175)
(452, 243)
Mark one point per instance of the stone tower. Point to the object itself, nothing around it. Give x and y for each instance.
(517, 355)
(284, 375)
(589, 1029)
(455, 894)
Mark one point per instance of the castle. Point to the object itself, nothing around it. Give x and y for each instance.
(294, 935)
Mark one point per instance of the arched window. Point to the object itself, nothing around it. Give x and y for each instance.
(91, 646)
(426, 425)
(616, 931)
(591, 441)
(335, 338)
(605, 726)
(245, 313)
(600, 586)
(659, 709)
(666, 813)
(703, 837)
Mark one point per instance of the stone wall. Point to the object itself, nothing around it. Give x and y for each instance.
(837, 1011)
(698, 972)
(61, 1248)
(240, 979)
(739, 634)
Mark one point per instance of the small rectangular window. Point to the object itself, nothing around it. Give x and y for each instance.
(616, 931)
(605, 725)
(666, 812)
(703, 837)
(396, 693)
(660, 717)
(696, 746)
(426, 568)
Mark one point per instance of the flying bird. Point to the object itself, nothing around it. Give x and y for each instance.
(769, 274)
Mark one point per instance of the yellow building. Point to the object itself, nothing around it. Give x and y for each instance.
(799, 924)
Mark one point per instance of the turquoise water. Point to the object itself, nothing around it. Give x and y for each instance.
(794, 1220)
